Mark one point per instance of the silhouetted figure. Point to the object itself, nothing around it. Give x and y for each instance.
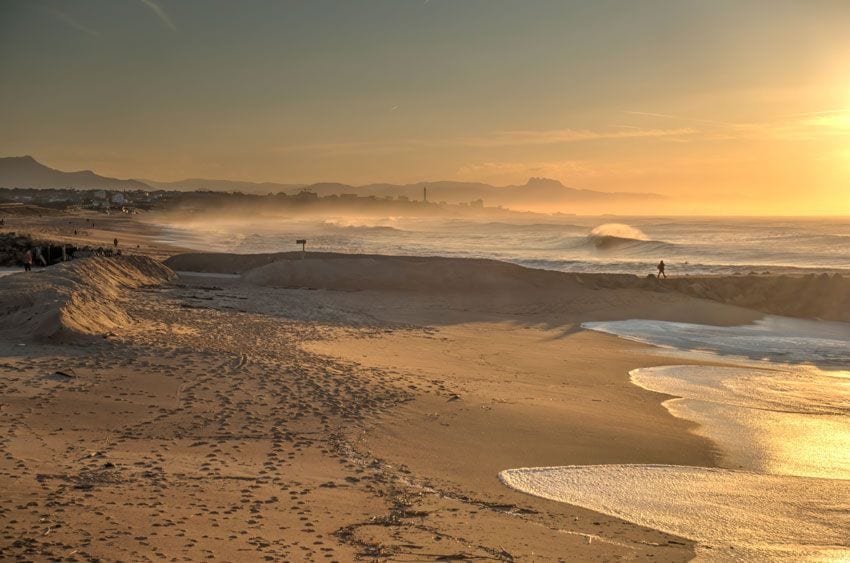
(661, 267)
(39, 256)
(115, 243)
(28, 260)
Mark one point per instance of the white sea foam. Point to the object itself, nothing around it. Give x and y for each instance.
(782, 423)
(734, 515)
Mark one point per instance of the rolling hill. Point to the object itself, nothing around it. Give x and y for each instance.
(27, 172)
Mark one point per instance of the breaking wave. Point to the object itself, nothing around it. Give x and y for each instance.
(619, 237)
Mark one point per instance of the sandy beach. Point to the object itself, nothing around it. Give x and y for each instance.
(429, 280)
(331, 409)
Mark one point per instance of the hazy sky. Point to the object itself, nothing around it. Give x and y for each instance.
(723, 103)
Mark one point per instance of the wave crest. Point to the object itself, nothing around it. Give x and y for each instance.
(618, 230)
(618, 236)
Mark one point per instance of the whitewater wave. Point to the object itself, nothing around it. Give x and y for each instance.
(618, 230)
(352, 224)
(624, 238)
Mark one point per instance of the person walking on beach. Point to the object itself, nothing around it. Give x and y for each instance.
(661, 268)
(115, 242)
(28, 260)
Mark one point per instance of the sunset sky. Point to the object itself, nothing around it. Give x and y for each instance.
(726, 105)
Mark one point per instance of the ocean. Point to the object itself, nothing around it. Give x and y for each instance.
(634, 245)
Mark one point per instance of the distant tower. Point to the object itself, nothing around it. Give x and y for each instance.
(425, 194)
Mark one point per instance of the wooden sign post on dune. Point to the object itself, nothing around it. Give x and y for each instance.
(303, 243)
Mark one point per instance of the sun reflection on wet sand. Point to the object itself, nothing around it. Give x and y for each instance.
(783, 433)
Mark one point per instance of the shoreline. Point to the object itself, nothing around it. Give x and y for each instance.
(382, 416)
(778, 490)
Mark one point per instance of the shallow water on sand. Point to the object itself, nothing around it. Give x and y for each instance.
(733, 515)
(775, 339)
(780, 415)
(788, 422)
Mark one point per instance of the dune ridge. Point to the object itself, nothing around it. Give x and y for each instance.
(427, 276)
(811, 296)
(75, 299)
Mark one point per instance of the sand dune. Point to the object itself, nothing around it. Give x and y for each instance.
(398, 273)
(220, 263)
(811, 296)
(821, 297)
(333, 270)
(228, 263)
(79, 298)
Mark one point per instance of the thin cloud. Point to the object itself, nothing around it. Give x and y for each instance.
(801, 126)
(160, 13)
(556, 136)
(496, 139)
(651, 114)
(820, 112)
(678, 117)
(812, 126)
(71, 22)
(345, 148)
(804, 126)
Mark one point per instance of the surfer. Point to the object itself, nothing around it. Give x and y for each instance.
(661, 267)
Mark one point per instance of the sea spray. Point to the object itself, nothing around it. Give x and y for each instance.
(618, 230)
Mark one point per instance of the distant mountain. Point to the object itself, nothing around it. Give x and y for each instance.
(203, 184)
(26, 172)
(537, 191)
